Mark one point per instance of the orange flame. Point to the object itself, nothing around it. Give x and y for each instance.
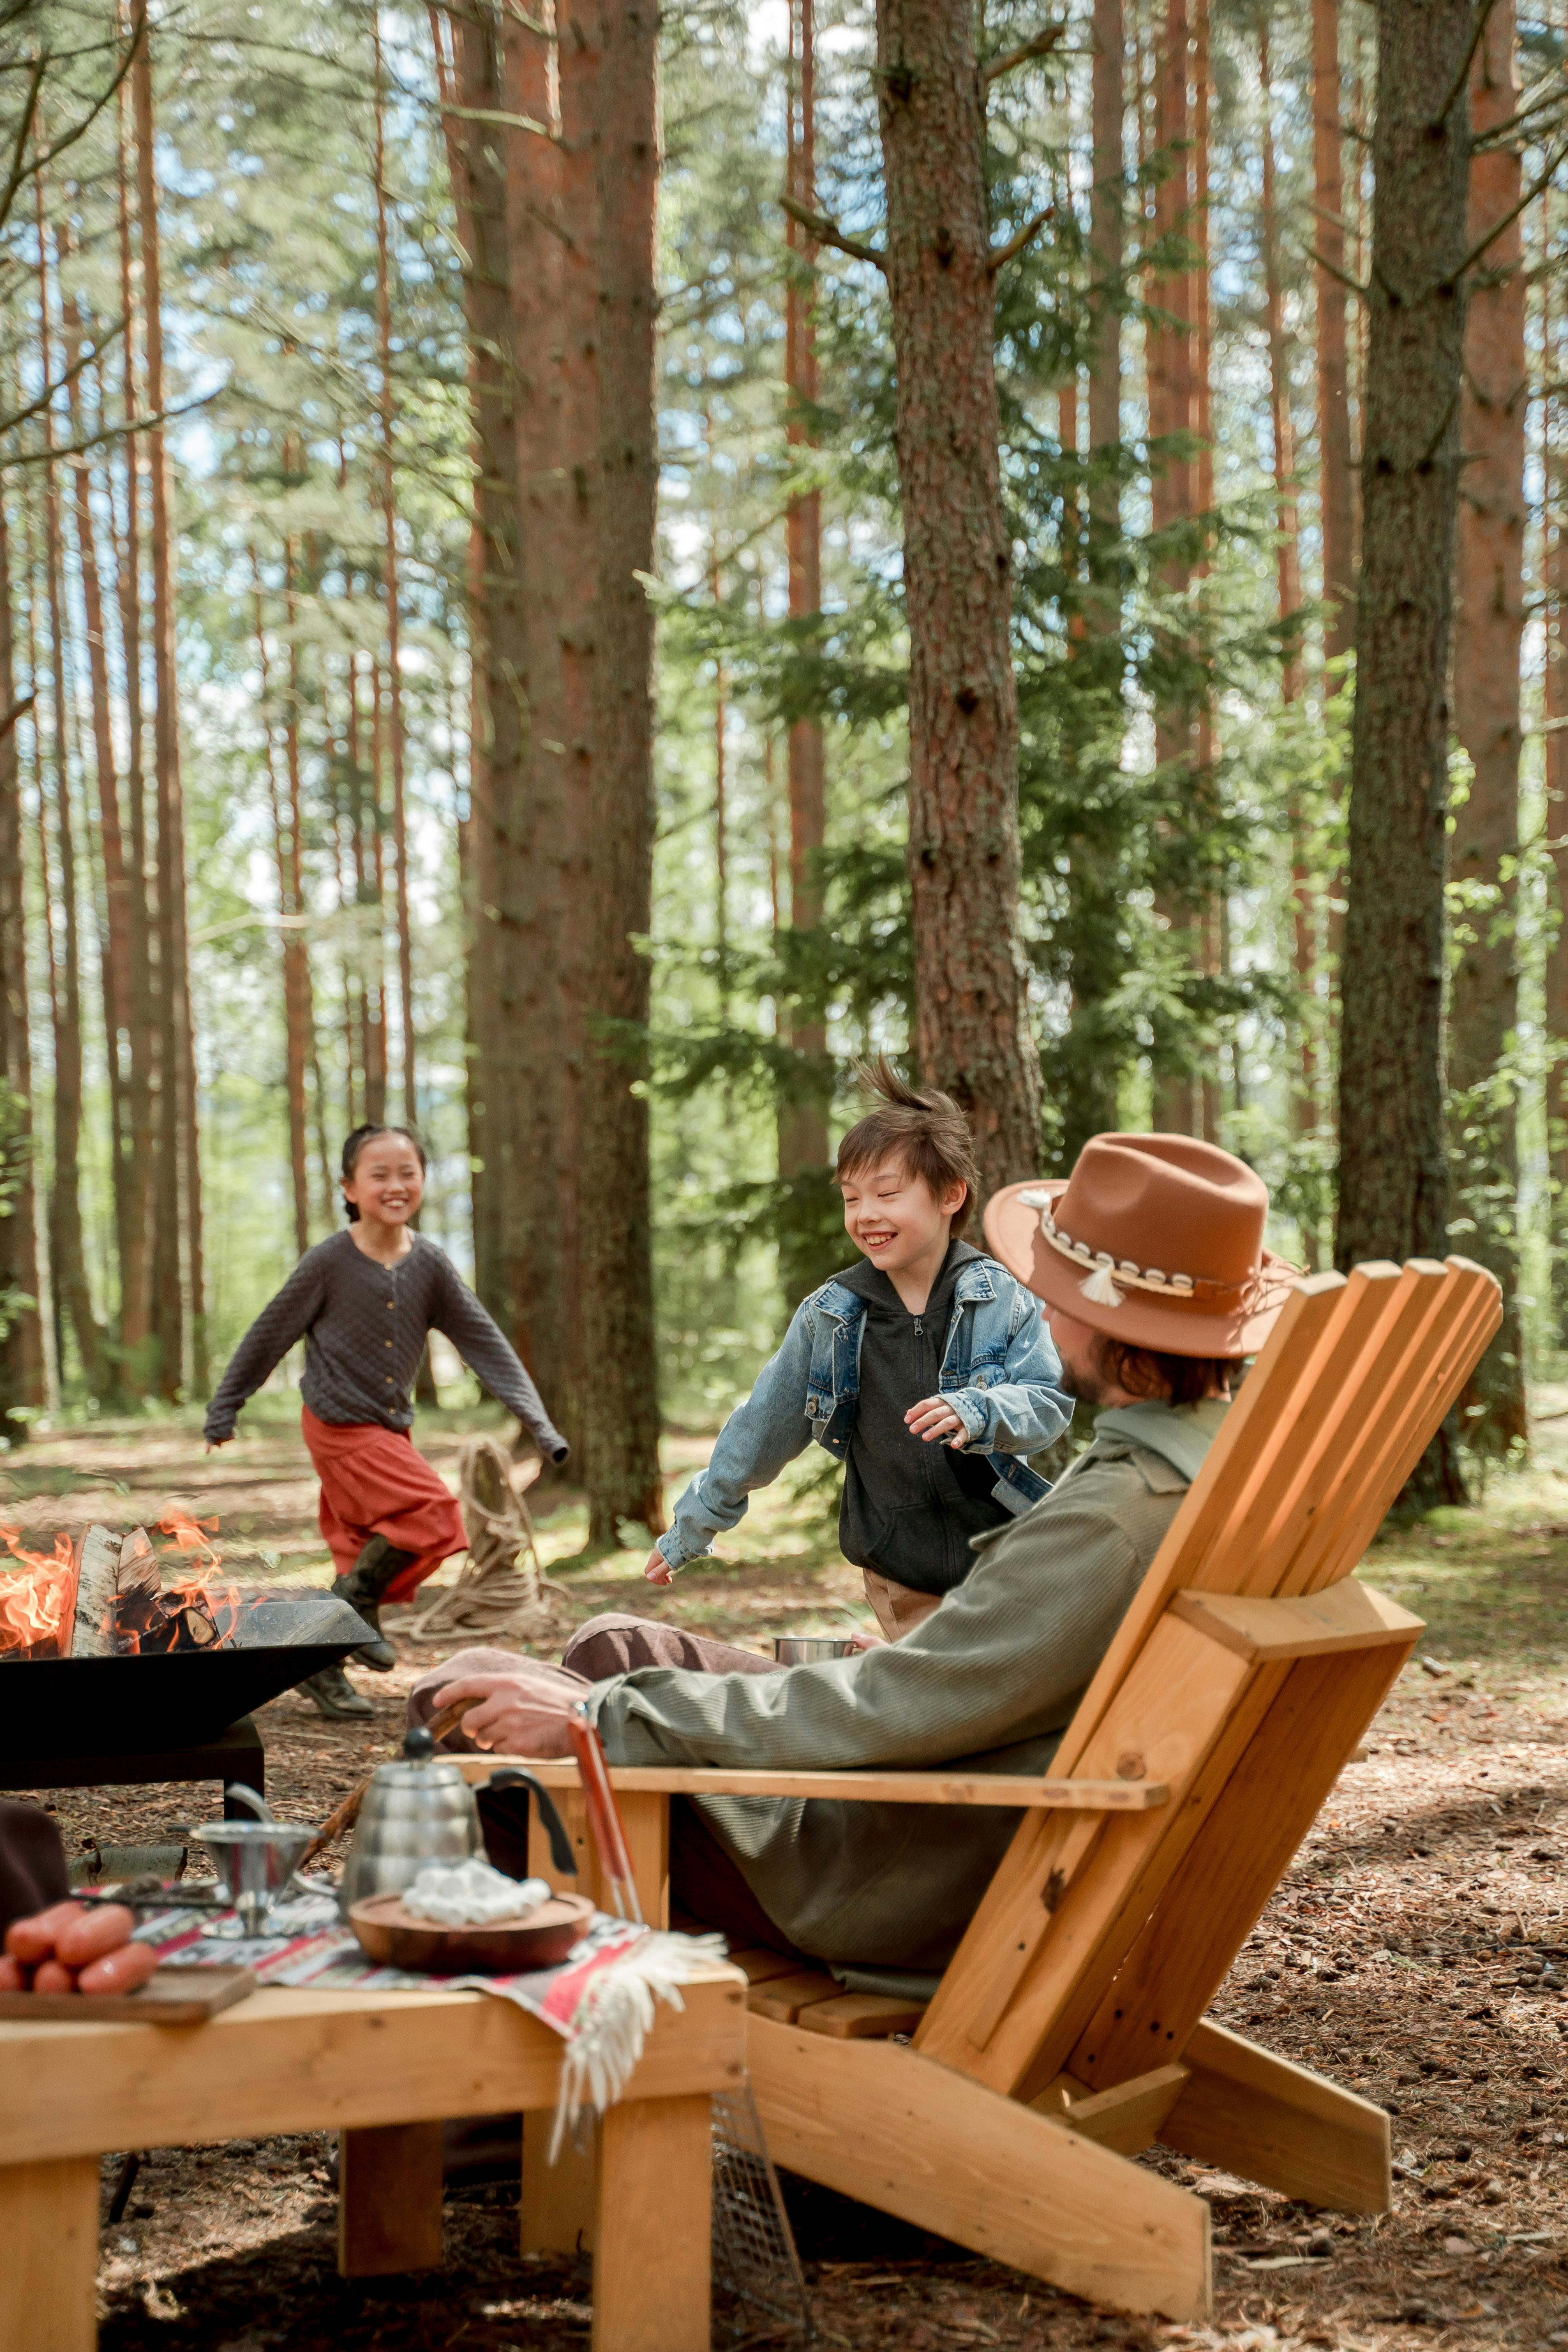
(187, 1533)
(32, 1604)
(204, 1587)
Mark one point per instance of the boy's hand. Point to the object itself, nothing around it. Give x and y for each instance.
(656, 1569)
(933, 1417)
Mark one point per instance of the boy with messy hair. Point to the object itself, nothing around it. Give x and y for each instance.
(927, 1370)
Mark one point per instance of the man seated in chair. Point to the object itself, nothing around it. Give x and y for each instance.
(1150, 1263)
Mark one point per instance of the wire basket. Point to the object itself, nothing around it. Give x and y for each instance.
(754, 2256)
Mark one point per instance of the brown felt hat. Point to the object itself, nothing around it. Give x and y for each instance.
(1153, 1239)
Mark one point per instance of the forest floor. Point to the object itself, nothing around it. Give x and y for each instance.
(1417, 1951)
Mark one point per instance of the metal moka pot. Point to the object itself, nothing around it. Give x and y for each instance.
(423, 1809)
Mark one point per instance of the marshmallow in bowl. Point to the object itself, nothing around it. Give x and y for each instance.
(471, 1895)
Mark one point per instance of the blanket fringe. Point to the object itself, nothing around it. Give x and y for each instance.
(613, 2019)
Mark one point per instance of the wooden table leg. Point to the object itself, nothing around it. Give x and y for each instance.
(652, 2245)
(557, 2199)
(48, 2278)
(389, 2199)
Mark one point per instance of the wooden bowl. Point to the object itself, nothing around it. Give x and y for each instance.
(395, 1938)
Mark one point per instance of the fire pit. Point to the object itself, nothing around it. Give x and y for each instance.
(114, 1650)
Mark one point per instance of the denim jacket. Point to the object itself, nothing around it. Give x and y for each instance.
(998, 1373)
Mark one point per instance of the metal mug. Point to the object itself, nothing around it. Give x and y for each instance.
(810, 1649)
(423, 1809)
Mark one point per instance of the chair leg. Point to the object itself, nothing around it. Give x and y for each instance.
(1258, 2116)
(882, 2124)
(652, 2227)
(48, 2226)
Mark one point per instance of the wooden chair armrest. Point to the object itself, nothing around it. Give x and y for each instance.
(876, 1787)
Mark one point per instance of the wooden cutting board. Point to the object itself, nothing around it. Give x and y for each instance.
(169, 1996)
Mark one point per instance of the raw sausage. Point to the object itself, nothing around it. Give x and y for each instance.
(13, 1976)
(96, 1933)
(49, 1975)
(119, 1971)
(31, 1940)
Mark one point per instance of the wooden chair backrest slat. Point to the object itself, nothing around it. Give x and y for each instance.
(1064, 1959)
(1430, 1393)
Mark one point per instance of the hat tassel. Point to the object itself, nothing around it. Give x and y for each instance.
(1099, 1287)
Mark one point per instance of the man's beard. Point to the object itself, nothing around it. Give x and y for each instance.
(1086, 1385)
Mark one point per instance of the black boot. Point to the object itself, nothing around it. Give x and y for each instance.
(333, 1695)
(364, 1588)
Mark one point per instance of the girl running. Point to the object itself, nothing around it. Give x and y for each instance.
(364, 1302)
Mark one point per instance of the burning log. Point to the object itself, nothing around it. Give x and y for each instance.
(97, 1591)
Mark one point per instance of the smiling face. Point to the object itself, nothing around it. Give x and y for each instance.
(894, 1218)
(388, 1182)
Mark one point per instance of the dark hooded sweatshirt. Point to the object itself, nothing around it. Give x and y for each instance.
(909, 1509)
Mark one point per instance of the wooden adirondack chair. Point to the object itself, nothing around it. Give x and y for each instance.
(1068, 2031)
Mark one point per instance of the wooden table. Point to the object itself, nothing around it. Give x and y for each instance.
(382, 2069)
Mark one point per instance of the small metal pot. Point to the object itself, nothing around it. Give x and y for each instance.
(810, 1649)
(423, 1809)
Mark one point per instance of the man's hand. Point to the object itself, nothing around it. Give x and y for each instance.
(521, 1713)
(864, 1639)
(656, 1569)
(933, 1417)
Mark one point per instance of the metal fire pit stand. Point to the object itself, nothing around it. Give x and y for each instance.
(237, 1754)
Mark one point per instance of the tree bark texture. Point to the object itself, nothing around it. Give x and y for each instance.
(1484, 851)
(1109, 109)
(136, 1252)
(620, 1403)
(386, 417)
(1394, 1176)
(803, 1123)
(68, 1256)
(114, 955)
(21, 1344)
(1336, 480)
(484, 77)
(177, 1250)
(972, 1027)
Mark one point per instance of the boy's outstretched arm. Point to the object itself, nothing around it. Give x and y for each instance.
(754, 1444)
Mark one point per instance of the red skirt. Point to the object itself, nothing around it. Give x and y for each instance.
(374, 1484)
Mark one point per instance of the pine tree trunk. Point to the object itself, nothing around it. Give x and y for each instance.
(1105, 375)
(620, 1403)
(136, 1251)
(557, 307)
(373, 864)
(972, 1027)
(1335, 480)
(68, 1256)
(1288, 577)
(21, 1351)
(803, 1123)
(285, 852)
(1394, 1174)
(177, 1208)
(1484, 852)
(1554, 700)
(389, 582)
(1168, 360)
(500, 727)
(114, 956)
